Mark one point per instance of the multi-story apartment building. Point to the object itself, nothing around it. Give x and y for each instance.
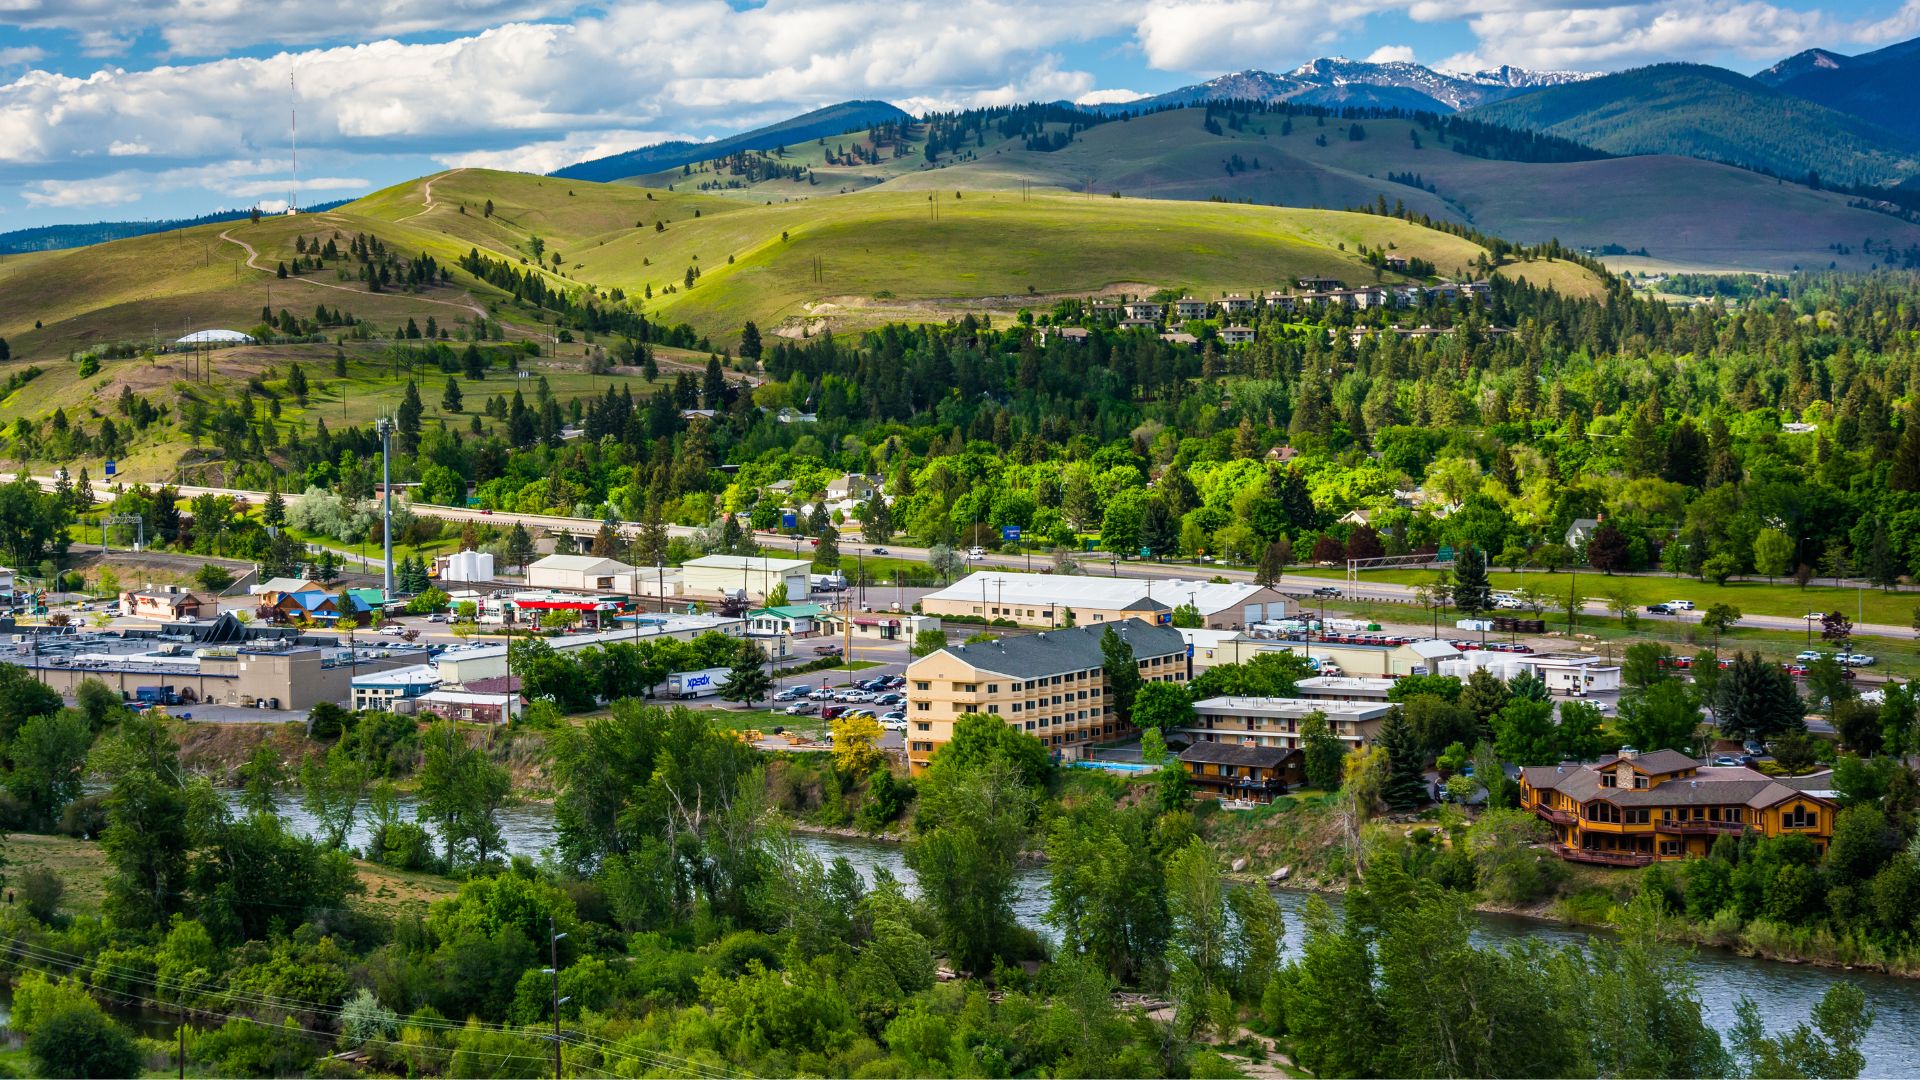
(1051, 685)
(1632, 809)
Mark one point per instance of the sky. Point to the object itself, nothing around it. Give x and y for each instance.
(133, 109)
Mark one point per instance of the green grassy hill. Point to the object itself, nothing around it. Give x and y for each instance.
(1707, 112)
(1682, 211)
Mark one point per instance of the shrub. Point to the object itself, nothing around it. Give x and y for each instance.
(81, 1041)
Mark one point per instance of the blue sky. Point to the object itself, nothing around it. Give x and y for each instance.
(156, 108)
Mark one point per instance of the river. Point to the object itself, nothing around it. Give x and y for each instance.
(1786, 993)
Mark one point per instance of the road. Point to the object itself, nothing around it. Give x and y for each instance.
(1089, 563)
(470, 304)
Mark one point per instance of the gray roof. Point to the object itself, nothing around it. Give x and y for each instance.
(1654, 762)
(1050, 652)
(1709, 787)
(1225, 753)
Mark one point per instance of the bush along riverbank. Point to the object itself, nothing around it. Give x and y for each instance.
(1776, 899)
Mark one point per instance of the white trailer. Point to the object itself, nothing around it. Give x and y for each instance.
(696, 684)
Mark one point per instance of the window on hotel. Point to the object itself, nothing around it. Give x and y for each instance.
(922, 684)
(922, 725)
(922, 706)
(993, 688)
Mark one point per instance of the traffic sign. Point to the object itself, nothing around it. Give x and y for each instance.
(1010, 533)
(1145, 551)
(788, 521)
(1445, 554)
(110, 467)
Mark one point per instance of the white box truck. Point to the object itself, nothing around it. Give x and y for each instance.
(696, 684)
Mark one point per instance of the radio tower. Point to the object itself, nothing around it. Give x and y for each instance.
(293, 126)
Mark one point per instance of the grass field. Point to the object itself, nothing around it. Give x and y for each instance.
(82, 867)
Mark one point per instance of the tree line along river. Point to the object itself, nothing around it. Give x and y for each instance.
(1785, 992)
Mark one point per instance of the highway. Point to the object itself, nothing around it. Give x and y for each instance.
(1090, 563)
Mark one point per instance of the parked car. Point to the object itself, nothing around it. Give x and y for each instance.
(894, 715)
(976, 553)
(1680, 605)
(856, 695)
(820, 693)
(893, 725)
(393, 629)
(1857, 660)
(1326, 590)
(826, 650)
(1754, 747)
(802, 708)
(1807, 656)
(833, 712)
(1659, 609)
(791, 693)
(1726, 761)
(889, 699)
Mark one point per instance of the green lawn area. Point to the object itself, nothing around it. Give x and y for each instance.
(1782, 598)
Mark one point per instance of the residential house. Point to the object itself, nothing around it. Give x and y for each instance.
(1236, 304)
(1581, 531)
(855, 486)
(1180, 337)
(1145, 311)
(1223, 770)
(1632, 809)
(1187, 308)
(1236, 335)
(1276, 722)
(1065, 333)
(1052, 685)
(1318, 284)
(1280, 301)
(167, 604)
(465, 705)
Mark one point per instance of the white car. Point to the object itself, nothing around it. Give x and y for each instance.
(893, 725)
(976, 553)
(802, 708)
(1814, 616)
(1857, 660)
(1807, 656)
(393, 629)
(1680, 605)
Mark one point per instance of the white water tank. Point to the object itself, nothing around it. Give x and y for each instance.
(469, 566)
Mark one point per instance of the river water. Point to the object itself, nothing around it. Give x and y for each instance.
(1785, 993)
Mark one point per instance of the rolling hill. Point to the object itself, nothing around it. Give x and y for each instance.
(1878, 87)
(798, 265)
(1707, 112)
(832, 120)
(1682, 212)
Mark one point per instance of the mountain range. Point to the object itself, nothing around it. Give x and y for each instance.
(1878, 86)
(832, 120)
(1337, 82)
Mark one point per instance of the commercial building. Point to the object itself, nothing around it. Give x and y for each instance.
(391, 690)
(756, 575)
(787, 620)
(1632, 809)
(1046, 599)
(1052, 685)
(1564, 673)
(1240, 772)
(1345, 688)
(464, 706)
(465, 664)
(1369, 661)
(582, 573)
(266, 675)
(1275, 722)
(587, 610)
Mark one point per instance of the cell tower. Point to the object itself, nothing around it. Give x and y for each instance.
(293, 128)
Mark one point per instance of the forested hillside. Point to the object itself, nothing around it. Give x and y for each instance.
(1711, 113)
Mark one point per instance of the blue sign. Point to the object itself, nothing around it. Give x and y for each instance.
(788, 521)
(1010, 533)
(110, 468)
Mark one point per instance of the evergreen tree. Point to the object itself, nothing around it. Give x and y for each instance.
(273, 513)
(827, 555)
(450, 398)
(1405, 788)
(748, 682)
(1471, 591)
(297, 382)
(1326, 755)
(877, 526)
(519, 546)
(1755, 699)
(750, 341)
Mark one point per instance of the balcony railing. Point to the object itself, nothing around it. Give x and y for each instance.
(1558, 817)
(1701, 828)
(1603, 858)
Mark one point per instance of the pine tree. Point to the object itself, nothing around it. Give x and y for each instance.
(450, 397)
(877, 527)
(1406, 788)
(519, 546)
(274, 513)
(297, 383)
(827, 555)
(1471, 591)
(750, 341)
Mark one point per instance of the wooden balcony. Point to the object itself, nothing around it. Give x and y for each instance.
(1558, 817)
(1701, 828)
(1602, 858)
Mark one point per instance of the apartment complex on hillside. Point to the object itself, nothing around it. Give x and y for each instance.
(1275, 722)
(1632, 809)
(1051, 685)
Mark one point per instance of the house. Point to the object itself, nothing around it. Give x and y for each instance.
(1282, 454)
(581, 573)
(1279, 301)
(1179, 337)
(1222, 770)
(312, 605)
(1394, 262)
(1145, 311)
(1276, 722)
(1236, 335)
(787, 620)
(272, 589)
(1188, 308)
(1065, 333)
(1632, 809)
(1047, 599)
(1357, 517)
(1581, 531)
(850, 486)
(1052, 685)
(1236, 304)
(1318, 284)
(167, 604)
(1139, 324)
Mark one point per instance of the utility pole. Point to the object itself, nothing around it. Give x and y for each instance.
(384, 426)
(553, 946)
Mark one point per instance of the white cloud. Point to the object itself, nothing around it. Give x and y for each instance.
(20, 54)
(218, 27)
(66, 194)
(128, 149)
(1115, 96)
(1391, 54)
(551, 154)
(253, 188)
